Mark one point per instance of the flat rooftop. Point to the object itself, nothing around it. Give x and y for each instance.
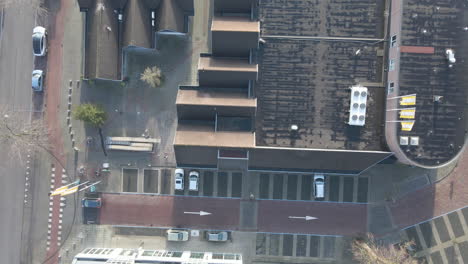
(306, 82)
(440, 126)
(234, 24)
(215, 97)
(202, 133)
(333, 18)
(226, 64)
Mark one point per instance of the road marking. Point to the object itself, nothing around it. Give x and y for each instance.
(201, 213)
(307, 218)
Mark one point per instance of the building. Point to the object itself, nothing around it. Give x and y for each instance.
(113, 25)
(420, 35)
(274, 93)
(131, 256)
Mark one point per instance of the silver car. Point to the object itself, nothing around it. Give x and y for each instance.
(319, 186)
(217, 236)
(177, 235)
(39, 41)
(37, 81)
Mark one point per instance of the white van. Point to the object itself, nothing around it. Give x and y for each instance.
(319, 186)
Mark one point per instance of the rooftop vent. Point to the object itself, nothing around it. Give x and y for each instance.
(404, 141)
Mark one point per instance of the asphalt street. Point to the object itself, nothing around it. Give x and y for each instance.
(169, 211)
(231, 214)
(16, 62)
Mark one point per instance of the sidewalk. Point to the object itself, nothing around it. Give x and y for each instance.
(449, 194)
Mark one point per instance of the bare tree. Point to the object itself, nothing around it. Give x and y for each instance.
(369, 251)
(152, 76)
(18, 134)
(37, 5)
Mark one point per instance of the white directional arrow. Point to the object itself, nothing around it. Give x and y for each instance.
(201, 213)
(307, 218)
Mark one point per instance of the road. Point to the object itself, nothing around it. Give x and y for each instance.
(169, 211)
(16, 62)
(271, 216)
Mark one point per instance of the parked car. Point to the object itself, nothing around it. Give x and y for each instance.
(177, 235)
(450, 54)
(39, 41)
(319, 186)
(193, 180)
(91, 205)
(91, 202)
(217, 236)
(37, 81)
(179, 179)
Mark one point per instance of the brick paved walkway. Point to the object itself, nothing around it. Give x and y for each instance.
(52, 92)
(434, 200)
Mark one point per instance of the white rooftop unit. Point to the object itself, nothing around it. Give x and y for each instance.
(404, 141)
(358, 106)
(414, 141)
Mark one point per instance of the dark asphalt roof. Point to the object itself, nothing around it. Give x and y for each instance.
(338, 18)
(102, 50)
(170, 16)
(234, 6)
(306, 82)
(439, 125)
(137, 28)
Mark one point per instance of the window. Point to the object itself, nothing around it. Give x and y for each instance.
(391, 86)
(197, 255)
(393, 42)
(391, 65)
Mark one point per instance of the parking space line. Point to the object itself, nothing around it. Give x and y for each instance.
(267, 245)
(308, 246)
(215, 183)
(270, 186)
(298, 187)
(320, 249)
(341, 189)
(201, 183)
(285, 187)
(294, 245)
(159, 181)
(355, 189)
(229, 184)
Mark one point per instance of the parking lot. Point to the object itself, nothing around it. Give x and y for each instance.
(274, 246)
(277, 186)
(160, 181)
(299, 187)
(443, 239)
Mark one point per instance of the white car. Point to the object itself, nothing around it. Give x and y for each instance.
(37, 81)
(450, 56)
(177, 235)
(39, 41)
(319, 186)
(193, 180)
(179, 179)
(217, 236)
